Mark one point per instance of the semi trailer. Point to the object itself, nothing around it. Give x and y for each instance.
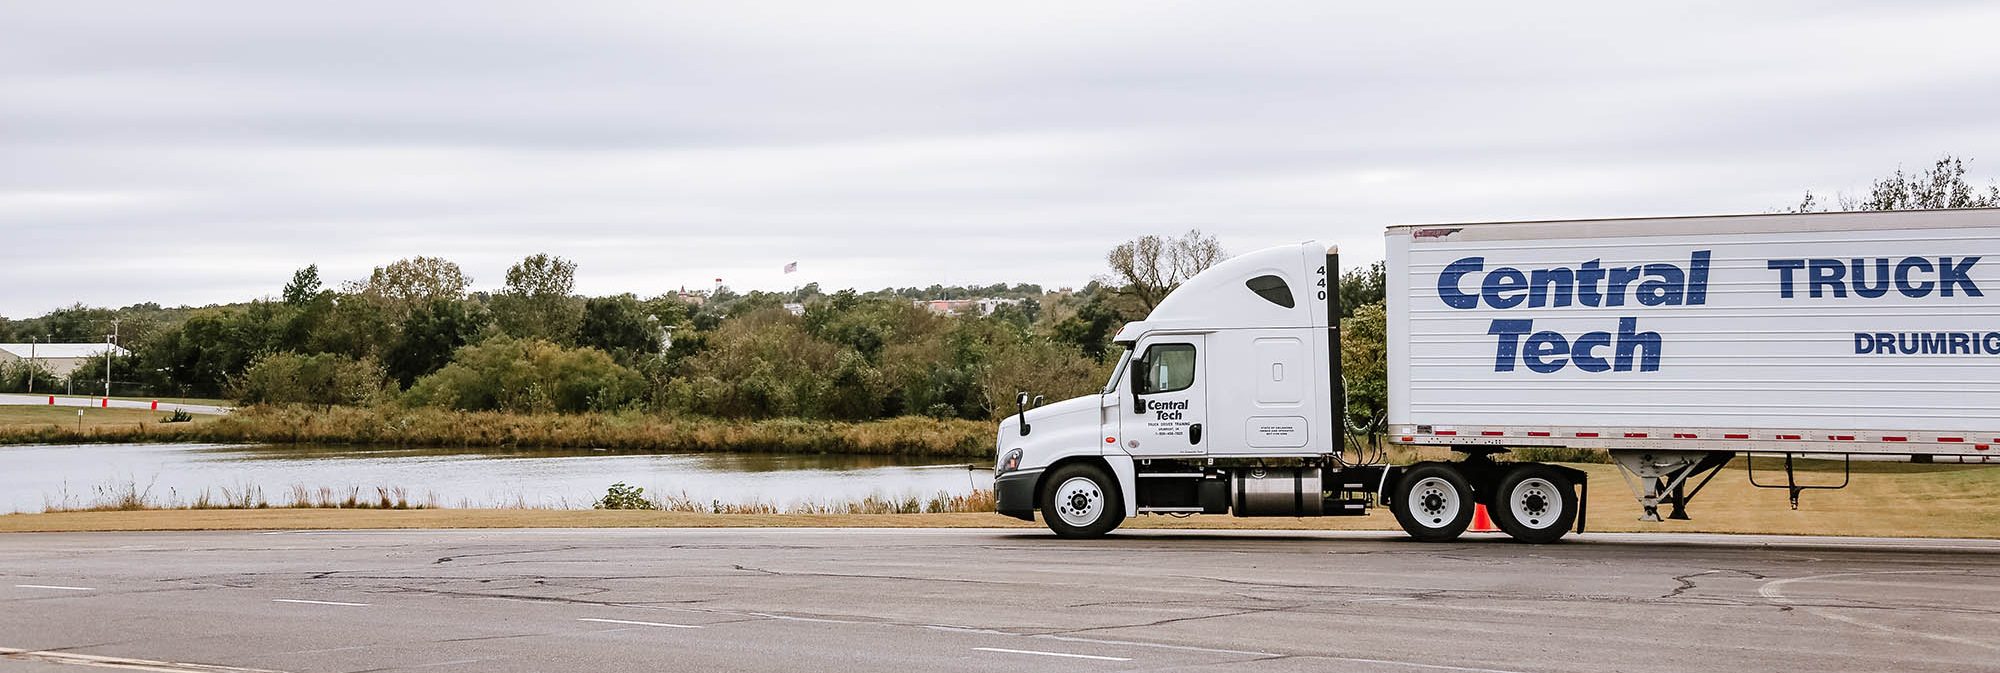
(1675, 344)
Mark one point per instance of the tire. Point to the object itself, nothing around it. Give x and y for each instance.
(1081, 500)
(1535, 504)
(1433, 502)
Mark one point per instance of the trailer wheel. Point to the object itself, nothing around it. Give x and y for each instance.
(1433, 502)
(1081, 500)
(1535, 504)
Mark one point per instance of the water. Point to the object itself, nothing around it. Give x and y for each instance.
(32, 477)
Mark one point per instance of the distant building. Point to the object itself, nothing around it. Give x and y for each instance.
(979, 307)
(692, 297)
(56, 359)
(796, 308)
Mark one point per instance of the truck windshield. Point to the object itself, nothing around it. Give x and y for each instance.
(1117, 373)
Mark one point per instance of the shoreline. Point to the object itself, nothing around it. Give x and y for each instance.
(632, 431)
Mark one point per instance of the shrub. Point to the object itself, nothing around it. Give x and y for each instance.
(527, 375)
(620, 496)
(322, 379)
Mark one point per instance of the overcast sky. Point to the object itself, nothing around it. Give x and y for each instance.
(191, 153)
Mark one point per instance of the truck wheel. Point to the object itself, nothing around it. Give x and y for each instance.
(1081, 500)
(1433, 502)
(1535, 504)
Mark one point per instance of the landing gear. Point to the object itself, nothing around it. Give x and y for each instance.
(1081, 500)
(1535, 503)
(1433, 502)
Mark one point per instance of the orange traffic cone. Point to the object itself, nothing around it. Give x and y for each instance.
(1480, 521)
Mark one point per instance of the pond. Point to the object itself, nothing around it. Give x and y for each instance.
(35, 477)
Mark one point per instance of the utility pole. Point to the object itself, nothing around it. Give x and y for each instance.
(32, 366)
(110, 342)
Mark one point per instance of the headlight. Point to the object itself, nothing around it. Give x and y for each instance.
(1009, 462)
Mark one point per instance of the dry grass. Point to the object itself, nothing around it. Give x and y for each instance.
(32, 420)
(1886, 499)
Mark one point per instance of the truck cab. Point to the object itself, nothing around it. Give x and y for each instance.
(1223, 401)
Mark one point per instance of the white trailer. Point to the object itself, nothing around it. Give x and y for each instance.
(1674, 343)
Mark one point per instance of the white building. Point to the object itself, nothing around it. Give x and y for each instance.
(56, 359)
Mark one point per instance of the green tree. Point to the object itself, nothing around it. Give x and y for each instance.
(537, 302)
(528, 375)
(404, 284)
(1361, 287)
(428, 338)
(1941, 186)
(619, 325)
(1364, 366)
(1149, 267)
(304, 285)
(322, 379)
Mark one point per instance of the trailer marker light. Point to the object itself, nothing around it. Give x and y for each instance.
(1537, 433)
(1635, 435)
(1446, 433)
(1951, 439)
(1586, 434)
(1895, 439)
(1735, 436)
(1788, 437)
(1842, 438)
(1979, 447)
(1492, 433)
(1684, 435)
(1408, 438)
(1111, 440)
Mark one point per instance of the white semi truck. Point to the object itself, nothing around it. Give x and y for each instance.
(1674, 343)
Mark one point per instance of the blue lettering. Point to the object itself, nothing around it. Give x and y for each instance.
(1587, 276)
(1828, 273)
(1580, 352)
(1864, 343)
(1448, 282)
(1664, 287)
(1504, 280)
(1859, 272)
(1541, 347)
(1645, 344)
(1785, 267)
(1510, 332)
(1697, 293)
(1952, 276)
(1903, 283)
(1559, 282)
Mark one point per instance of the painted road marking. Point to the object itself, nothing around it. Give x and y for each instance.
(1050, 654)
(120, 662)
(627, 621)
(52, 586)
(306, 602)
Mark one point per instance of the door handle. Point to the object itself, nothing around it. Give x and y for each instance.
(1194, 434)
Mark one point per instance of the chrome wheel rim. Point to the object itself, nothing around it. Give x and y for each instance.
(1536, 503)
(1434, 502)
(1079, 501)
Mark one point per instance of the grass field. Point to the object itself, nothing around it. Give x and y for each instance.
(1885, 499)
(94, 418)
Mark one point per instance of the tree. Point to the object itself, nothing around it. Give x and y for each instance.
(304, 285)
(430, 336)
(1360, 287)
(1364, 366)
(407, 283)
(1149, 267)
(322, 379)
(528, 375)
(1941, 186)
(536, 302)
(619, 326)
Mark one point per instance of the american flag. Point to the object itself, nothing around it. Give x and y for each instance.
(794, 266)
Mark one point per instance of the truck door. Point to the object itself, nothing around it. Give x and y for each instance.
(1167, 412)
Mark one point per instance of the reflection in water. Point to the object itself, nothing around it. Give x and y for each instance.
(32, 477)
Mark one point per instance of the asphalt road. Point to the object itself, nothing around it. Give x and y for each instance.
(989, 600)
(16, 399)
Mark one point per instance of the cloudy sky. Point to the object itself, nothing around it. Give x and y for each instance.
(186, 152)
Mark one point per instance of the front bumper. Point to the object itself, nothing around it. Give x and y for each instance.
(1014, 493)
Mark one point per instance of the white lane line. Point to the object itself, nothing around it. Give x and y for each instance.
(1050, 654)
(120, 662)
(306, 602)
(52, 586)
(628, 621)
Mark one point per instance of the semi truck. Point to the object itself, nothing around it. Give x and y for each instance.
(1674, 344)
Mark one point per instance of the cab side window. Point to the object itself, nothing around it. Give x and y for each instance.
(1168, 368)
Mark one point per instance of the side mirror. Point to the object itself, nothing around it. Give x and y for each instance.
(1021, 410)
(1038, 401)
(1021, 400)
(1138, 374)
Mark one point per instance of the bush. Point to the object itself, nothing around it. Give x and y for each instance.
(620, 496)
(527, 375)
(323, 379)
